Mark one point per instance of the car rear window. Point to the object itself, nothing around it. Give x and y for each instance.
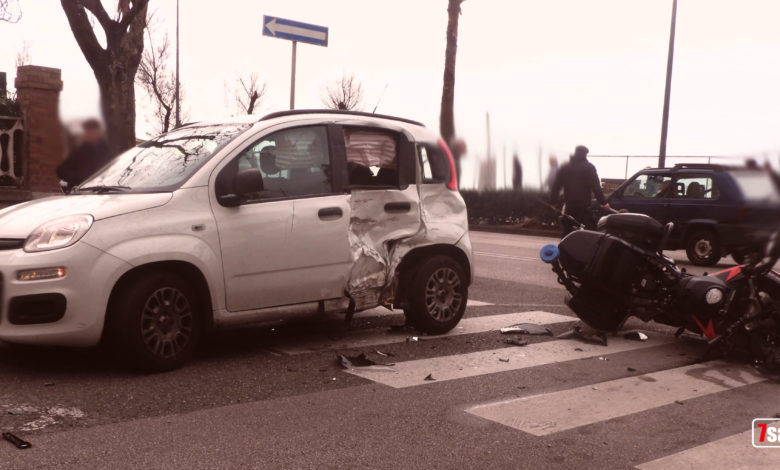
(757, 185)
(435, 164)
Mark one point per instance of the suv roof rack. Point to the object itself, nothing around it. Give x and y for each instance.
(698, 166)
(297, 112)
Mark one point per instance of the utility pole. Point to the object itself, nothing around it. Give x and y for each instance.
(178, 105)
(668, 90)
(292, 75)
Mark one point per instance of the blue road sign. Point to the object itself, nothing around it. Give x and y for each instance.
(295, 30)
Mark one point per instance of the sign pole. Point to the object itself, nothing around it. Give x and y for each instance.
(292, 75)
(667, 90)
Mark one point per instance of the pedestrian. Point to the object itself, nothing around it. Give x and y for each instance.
(517, 173)
(578, 179)
(552, 173)
(86, 158)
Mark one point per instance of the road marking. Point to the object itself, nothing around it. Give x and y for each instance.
(460, 366)
(549, 413)
(477, 303)
(504, 256)
(733, 452)
(363, 338)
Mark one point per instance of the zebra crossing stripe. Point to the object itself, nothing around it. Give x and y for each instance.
(363, 338)
(460, 366)
(549, 413)
(733, 452)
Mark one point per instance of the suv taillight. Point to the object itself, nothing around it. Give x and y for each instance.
(453, 181)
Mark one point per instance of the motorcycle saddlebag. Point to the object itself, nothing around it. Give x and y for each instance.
(637, 229)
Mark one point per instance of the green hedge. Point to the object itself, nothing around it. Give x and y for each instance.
(508, 207)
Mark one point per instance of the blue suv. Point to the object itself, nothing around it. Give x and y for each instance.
(716, 210)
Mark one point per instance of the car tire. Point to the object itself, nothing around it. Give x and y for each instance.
(703, 248)
(437, 295)
(155, 322)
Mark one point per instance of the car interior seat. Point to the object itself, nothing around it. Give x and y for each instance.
(695, 191)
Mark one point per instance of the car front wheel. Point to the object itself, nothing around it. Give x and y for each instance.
(155, 322)
(703, 248)
(437, 295)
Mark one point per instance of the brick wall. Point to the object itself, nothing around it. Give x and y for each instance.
(38, 91)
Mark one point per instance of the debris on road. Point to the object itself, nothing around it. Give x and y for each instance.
(384, 354)
(350, 362)
(429, 377)
(502, 359)
(527, 329)
(635, 335)
(412, 339)
(630, 369)
(18, 442)
(594, 337)
(517, 342)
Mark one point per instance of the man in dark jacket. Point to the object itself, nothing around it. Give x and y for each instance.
(578, 179)
(87, 158)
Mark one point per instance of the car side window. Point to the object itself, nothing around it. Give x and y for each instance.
(434, 163)
(372, 157)
(292, 162)
(695, 187)
(647, 186)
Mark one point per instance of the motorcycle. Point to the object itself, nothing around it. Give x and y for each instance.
(621, 271)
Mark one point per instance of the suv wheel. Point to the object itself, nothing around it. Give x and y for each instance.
(703, 248)
(437, 295)
(155, 324)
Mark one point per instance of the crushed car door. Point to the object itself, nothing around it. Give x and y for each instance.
(385, 208)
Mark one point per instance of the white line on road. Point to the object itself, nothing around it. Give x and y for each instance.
(504, 256)
(549, 413)
(733, 452)
(459, 366)
(363, 338)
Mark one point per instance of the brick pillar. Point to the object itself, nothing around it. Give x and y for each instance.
(38, 91)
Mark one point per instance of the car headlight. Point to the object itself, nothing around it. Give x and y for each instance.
(58, 233)
(714, 296)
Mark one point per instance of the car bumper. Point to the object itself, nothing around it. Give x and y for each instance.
(86, 286)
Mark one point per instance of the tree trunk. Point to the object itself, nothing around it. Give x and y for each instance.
(117, 103)
(446, 118)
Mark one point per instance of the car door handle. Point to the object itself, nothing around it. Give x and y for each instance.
(330, 213)
(398, 207)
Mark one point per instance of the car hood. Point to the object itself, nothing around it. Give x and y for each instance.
(19, 220)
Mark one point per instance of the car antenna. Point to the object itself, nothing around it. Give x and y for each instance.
(380, 98)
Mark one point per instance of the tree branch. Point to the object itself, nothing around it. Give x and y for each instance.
(84, 34)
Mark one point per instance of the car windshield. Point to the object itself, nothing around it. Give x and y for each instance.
(757, 185)
(163, 162)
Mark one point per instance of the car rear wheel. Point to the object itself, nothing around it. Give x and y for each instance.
(156, 322)
(703, 248)
(437, 295)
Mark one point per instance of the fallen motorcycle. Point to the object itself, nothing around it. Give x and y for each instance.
(621, 271)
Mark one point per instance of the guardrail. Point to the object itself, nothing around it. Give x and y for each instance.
(12, 154)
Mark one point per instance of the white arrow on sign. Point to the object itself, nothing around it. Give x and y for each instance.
(275, 27)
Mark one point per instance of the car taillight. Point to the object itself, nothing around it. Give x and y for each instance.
(453, 181)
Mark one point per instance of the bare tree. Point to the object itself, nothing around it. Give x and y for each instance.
(446, 117)
(23, 55)
(157, 80)
(249, 94)
(10, 11)
(346, 93)
(114, 65)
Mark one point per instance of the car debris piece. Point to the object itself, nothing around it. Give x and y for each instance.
(635, 335)
(18, 442)
(429, 377)
(384, 354)
(503, 359)
(630, 369)
(412, 339)
(348, 362)
(527, 329)
(517, 342)
(594, 337)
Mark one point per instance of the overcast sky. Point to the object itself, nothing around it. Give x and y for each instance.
(552, 74)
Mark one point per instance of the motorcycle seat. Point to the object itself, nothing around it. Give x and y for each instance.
(638, 229)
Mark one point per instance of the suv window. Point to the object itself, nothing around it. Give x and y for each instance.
(695, 187)
(434, 163)
(292, 162)
(372, 157)
(647, 186)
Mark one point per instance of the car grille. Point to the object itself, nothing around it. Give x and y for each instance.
(11, 243)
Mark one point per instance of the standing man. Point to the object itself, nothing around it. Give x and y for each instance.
(578, 179)
(87, 158)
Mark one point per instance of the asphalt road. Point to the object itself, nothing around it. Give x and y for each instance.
(274, 397)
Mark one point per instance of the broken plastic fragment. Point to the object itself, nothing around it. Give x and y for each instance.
(502, 359)
(596, 337)
(18, 442)
(384, 354)
(527, 328)
(429, 377)
(630, 369)
(635, 335)
(412, 338)
(348, 362)
(517, 342)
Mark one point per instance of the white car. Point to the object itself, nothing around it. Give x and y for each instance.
(235, 222)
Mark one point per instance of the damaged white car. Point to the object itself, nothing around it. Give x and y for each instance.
(226, 223)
